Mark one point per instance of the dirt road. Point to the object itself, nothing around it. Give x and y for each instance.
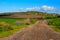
(38, 31)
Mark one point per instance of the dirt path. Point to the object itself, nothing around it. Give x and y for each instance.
(38, 31)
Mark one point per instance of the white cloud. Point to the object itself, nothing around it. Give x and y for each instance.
(29, 9)
(33, 9)
(45, 7)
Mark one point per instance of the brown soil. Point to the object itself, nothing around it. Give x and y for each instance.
(37, 31)
(24, 16)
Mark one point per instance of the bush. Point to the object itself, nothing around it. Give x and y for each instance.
(27, 23)
(3, 23)
(55, 22)
(32, 21)
(1, 29)
(5, 26)
(10, 28)
(50, 17)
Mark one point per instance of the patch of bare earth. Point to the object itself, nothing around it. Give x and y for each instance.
(38, 31)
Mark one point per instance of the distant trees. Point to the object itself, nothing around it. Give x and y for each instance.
(5, 14)
(58, 16)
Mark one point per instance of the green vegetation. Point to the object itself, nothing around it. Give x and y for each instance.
(10, 20)
(55, 23)
(50, 17)
(10, 32)
(32, 21)
(10, 25)
(7, 26)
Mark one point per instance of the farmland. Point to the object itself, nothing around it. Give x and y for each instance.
(10, 20)
(6, 22)
(10, 25)
(55, 23)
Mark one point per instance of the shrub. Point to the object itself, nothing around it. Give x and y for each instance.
(10, 28)
(27, 23)
(32, 21)
(55, 22)
(1, 29)
(5, 26)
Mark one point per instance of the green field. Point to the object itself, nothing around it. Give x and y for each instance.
(8, 25)
(55, 24)
(10, 32)
(11, 20)
(5, 31)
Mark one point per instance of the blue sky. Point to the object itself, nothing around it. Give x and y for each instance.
(25, 5)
